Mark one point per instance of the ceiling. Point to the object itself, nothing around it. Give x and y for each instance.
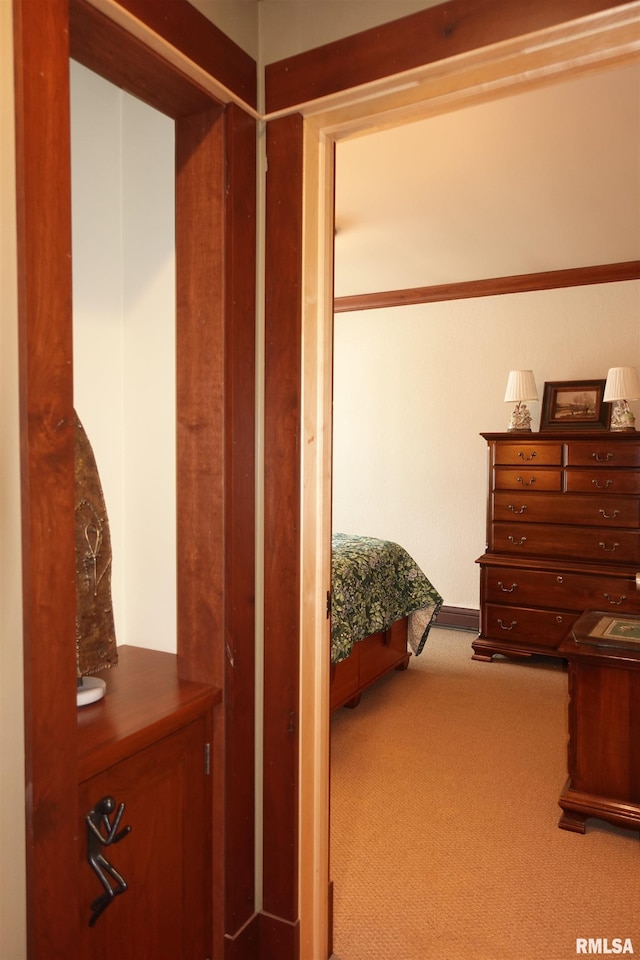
(540, 180)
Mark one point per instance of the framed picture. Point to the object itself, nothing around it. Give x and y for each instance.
(575, 405)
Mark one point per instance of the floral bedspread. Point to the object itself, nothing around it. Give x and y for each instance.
(374, 583)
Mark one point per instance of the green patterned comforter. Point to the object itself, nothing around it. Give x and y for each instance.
(374, 583)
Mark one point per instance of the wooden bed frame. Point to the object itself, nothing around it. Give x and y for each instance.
(369, 660)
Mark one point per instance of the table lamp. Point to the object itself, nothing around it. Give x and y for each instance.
(622, 385)
(521, 386)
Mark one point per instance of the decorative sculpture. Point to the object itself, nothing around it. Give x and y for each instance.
(95, 629)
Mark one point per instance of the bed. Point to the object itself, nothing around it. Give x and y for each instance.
(382, 608)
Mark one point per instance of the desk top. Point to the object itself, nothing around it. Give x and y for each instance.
(598, 634)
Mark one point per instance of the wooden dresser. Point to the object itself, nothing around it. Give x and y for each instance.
(563, 535)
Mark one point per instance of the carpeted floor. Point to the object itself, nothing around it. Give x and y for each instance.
(444, 836)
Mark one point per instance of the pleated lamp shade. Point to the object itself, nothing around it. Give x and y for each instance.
(521, 385)
(622, 384)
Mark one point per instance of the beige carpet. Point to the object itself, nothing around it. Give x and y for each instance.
(444, 835)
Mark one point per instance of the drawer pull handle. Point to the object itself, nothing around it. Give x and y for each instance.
(608, 549)
(503, 626)
(602, 458)
(609, 516)
(602, 486)
(518, 543)
(515, 509)
(526, 483)
(524, 456)
(514, 586)
(559, 619)
(559, 579)
(617, 602)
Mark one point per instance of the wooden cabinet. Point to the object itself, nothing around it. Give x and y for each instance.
(147, 747)
(215, 508)
(604, 734)
(563, 535)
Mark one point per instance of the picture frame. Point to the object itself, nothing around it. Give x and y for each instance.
(575, 405)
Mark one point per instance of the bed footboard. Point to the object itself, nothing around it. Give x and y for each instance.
(370, 659)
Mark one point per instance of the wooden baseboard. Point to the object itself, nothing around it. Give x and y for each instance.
(463, 618)
(264, 937)
(245, 943)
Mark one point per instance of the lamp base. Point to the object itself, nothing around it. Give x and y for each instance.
(520, 419)
(89, 690)
(622, 419)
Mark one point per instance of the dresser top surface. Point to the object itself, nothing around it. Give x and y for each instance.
(523, 436)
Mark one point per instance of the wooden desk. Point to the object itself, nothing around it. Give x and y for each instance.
(604, 734)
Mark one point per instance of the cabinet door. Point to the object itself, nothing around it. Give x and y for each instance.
(165, 913)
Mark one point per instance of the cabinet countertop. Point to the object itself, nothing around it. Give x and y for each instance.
(144, 701)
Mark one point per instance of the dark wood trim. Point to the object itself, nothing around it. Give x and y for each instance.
(240, 520)
(106, 48)
(283, 410)
(200, 434)
(464, 618)
(498, 286)
(200, 209)
(245, 944)
(440, 32)
(279, 940)
(47, 452)
(186, 29)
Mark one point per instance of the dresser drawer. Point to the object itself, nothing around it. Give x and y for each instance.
(602, 481)
(577, 543)
(564, 591)
(514, 478)
(525, 625)
(602, 453)
(543, 453)
(540, 508)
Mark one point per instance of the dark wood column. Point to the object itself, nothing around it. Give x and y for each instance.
(240, 520)
(47, 442)
(283, 267)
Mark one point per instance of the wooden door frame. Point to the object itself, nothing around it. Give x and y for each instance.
(595, 41)
(215, 257)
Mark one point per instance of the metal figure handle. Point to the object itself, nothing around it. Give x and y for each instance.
(102, 832)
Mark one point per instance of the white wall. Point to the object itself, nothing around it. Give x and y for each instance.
(288, 27)
(269, 30)
(414, 387)
(123, 173)
(543, 179)
(238, 20)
